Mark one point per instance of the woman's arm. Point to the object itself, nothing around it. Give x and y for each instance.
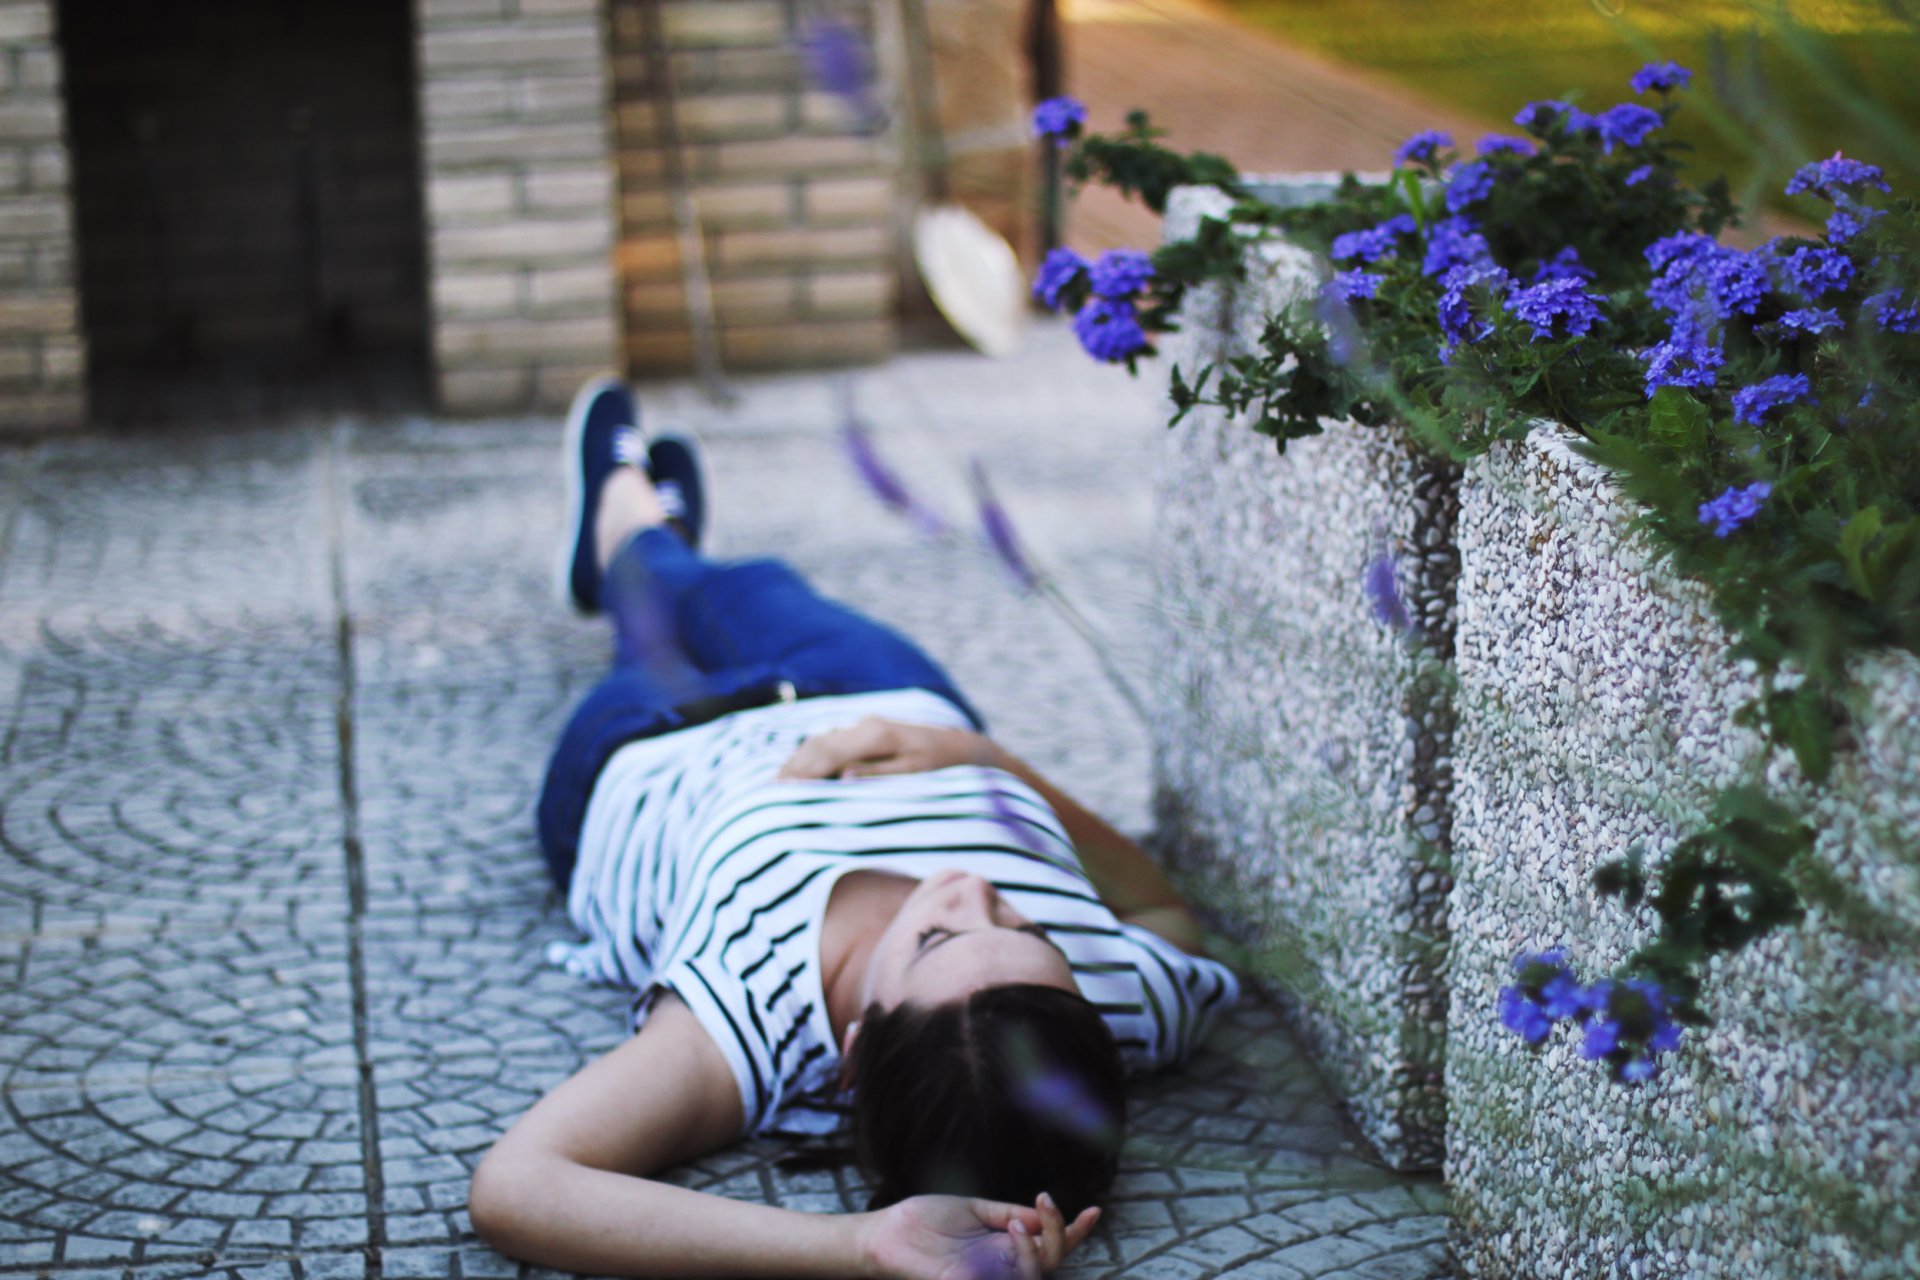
(1127, 879)
(567, 1186)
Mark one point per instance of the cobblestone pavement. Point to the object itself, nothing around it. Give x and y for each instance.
(275, 703)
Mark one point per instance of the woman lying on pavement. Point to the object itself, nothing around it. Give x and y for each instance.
(842, 907)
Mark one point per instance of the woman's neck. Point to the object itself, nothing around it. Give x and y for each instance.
(859, 909)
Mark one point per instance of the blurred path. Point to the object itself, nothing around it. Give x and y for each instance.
(1218, 85)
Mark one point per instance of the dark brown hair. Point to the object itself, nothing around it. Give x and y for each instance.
(1012, 1091)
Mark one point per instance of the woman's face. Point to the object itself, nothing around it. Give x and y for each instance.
(953, 935)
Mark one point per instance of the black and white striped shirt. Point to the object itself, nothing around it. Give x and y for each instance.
(702, 873)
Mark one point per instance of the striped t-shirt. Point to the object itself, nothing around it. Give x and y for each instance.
(700, 872)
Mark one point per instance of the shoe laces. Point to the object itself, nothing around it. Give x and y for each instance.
(672, 500)
(629, 448)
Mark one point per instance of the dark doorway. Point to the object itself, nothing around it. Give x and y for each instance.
(248, 205)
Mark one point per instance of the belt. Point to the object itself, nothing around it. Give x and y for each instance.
(702, 710)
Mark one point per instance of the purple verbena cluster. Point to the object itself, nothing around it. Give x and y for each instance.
(1059, 269)
(1107, 322)
(1423, 147)
(1454, 242)
(1504, 144)
(1471, 183)
(1835, 175)
(1373, 244)
(1661, 77)
(1556, 307)
(1815, 271)
(1120, 273)
(1752, 404)
(1109, 330)
(1460, 324)
(1627, 1022)
(1734, 507)
(1625, 125)
(1349, 285)
(1059, 119)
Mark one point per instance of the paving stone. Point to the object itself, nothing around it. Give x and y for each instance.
(190, 989)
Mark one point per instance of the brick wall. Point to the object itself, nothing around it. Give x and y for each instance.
(520, 201)
(42, 356)
(796, 201)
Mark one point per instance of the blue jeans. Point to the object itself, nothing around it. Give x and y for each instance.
(687, 629)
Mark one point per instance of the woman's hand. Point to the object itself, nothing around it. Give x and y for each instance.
(955, 1238)
(874, 747)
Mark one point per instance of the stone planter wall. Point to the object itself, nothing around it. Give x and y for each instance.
(1386, 826)
(1595, 700)
(1301, 753)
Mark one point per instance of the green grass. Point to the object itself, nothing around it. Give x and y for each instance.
(1765, 98)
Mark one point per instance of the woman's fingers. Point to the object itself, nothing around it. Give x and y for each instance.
(1082, 1227)
(1026, 1252)
(826, 755)
(1053, 1232)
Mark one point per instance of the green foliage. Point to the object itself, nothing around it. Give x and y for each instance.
(1441, 322)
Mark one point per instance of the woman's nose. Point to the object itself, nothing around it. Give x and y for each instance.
(975, 895)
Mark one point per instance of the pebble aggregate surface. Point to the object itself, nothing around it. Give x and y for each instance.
(274, 703)
(1596, 714)
(1303, 742)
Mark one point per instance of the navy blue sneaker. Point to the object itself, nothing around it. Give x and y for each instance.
(602, 433)
(673, 462)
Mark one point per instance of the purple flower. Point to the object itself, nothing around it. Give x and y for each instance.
(1110, 330)
(1734, 507)
(1661, 76)
(1682, 362)
(1383, 591)
(1497, 143)
(1522, 1016)
(883, 483)
(1564, 265)
(1059, 119)
(1890, 315)
(1120, 273)
(1564, 301)
(1849, 219)
(1057, 270)
(1685, 247)
(1562, 996)
(1626, 125)
(1458, 323)
(1541, 118)
(1826, 178)
(1348, 285)
(838, 61)
(1453, 242)
(1373, 243)
(1817, 271)
(1811, 320)
(1602, 1038)
(999, 530)
(1640, 175)
(1423, 147)
(1737, 282)
(1752, 404)
(1471, 184)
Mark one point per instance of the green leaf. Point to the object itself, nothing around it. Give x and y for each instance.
(1854, 539)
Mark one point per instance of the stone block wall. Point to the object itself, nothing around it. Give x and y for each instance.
(42, 352)
(520, 199)
(1300, 743)
(1595, 704)
(794, 194)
